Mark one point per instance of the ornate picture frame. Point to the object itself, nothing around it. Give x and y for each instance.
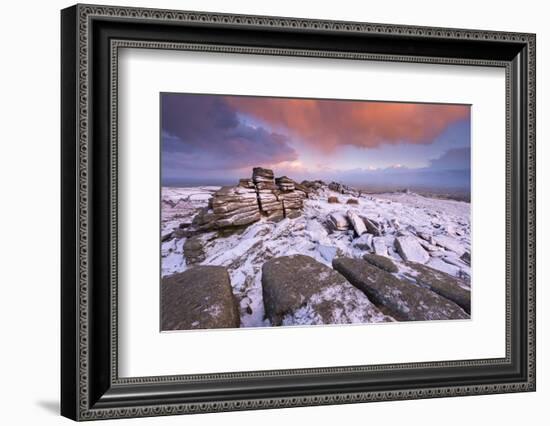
(91, 38)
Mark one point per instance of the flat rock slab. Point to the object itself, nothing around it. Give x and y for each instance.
(382, 262)
(410, 249)
(450, 287)
(401, 299)
(450, 243)
(357, 223)
(364, 242)
(193, 250)
(198, 298)
(299, 290)
(379, 246)
(338, 221)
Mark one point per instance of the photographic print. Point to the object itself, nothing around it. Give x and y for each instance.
(301, 212)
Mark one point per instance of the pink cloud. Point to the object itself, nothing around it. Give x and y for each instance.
(327, 124)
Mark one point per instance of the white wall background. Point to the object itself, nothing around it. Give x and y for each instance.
(29, 213)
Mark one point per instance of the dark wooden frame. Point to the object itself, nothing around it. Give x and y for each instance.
(91, 37)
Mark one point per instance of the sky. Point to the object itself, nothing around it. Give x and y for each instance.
(217, 139)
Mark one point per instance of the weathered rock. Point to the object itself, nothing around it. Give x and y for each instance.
(382, 262)
(338, 221)
(443, 284)
(193, 250)
(364, 242)
(410, 249)
(275, 216)
(379, 246)
(285, 184)
(342, 189)
(373, 227)
(450, 243)
(250, 200)
(440, 265)
(167, 236)
(333, 200)
(429, 247)
(269, 202)
(246, 183)
(401, 299)
(266, 185)
(259, 174)
(198, 298)
(467, 257)
(313, 185)
(292, 213)
(426, 236)
(352, 201)
(358, 225)
(336, 187)
(299, 289)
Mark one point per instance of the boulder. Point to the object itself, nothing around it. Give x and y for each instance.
(198, 298)
(402, 300)
(293, 213)
(358, 225)
(364, 242)
(246, 183)
(450, 287)
(373, 227)
(338, 221)
(426, 236)
(440, 265)
(333, 200)
(450, 243)
(266, 185)
(382, 262)
(193, 250)
(299, 290)
(337, 187)
(467, 257)
(285, 184)
(379, 246)
(410, 249)
(259, 174)
(352, 201)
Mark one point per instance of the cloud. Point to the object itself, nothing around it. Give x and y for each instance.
(327, 124)
(206, 133)
(454, 159)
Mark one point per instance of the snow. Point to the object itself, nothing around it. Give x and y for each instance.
(243, 253)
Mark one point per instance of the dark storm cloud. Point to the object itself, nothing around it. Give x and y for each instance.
(201, 132)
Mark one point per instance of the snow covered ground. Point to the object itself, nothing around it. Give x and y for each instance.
(444, 223)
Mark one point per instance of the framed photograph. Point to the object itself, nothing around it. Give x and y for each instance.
(263, 212)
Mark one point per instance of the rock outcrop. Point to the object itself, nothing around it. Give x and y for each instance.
(200, 297)
(403, 300)
(342, 189)
(250, 200)
(298, 289)
(450, 287)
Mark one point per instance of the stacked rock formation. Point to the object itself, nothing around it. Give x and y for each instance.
(250, 200)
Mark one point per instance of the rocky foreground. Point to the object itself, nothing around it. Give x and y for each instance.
(270, 251)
